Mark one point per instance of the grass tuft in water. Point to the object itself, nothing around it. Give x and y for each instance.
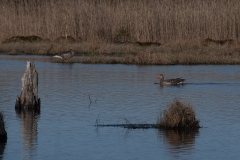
(179, 115)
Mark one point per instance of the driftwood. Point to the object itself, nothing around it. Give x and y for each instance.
(29, 95)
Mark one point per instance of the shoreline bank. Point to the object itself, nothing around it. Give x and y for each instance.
(177, 53)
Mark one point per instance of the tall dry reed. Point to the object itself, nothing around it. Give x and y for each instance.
(129, 20)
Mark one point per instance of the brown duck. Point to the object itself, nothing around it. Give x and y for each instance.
(176, 81)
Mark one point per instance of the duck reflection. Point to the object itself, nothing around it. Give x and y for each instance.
(160, 86)
(179, 139)
(29, 119)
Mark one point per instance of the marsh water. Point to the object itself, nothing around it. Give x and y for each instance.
(76, 96)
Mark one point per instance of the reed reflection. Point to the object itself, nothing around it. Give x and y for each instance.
(29, 119)
(179, 139)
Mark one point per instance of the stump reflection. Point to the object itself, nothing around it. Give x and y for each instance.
(29, 119)
(2, 147)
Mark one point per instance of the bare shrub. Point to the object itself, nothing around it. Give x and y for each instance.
(179, 115)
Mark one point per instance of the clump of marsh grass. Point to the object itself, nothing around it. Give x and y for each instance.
(179, 115)
(3, 133)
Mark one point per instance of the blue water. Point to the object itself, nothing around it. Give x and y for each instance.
(74, 96)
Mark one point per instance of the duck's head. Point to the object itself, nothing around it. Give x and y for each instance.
(160, 76)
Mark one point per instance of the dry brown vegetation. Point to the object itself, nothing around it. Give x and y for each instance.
(179, 115)
(183, 53)
(147, 43)
(136, 20)
(65, 39)
(144, 32)
(23, 39)
(208, 41)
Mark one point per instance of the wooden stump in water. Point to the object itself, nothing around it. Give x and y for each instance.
(29, 95)
(3, 133)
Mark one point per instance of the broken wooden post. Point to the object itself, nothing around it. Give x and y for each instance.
(29, 95)
(3, 133)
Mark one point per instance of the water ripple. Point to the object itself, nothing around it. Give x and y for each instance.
(73, 96)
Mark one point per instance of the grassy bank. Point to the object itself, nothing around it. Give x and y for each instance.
(178, 52)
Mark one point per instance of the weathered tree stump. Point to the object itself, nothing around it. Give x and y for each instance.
(3, 133)
(29, 95)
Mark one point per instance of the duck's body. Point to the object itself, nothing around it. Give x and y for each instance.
(176, 81)
(65, 55)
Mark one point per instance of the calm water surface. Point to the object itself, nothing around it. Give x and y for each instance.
(74, 96)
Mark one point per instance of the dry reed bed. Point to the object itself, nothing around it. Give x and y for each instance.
(121, 20)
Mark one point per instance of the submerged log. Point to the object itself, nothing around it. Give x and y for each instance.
(29, 95)
(129, 126)
(148, 126)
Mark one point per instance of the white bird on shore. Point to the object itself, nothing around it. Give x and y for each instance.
(66, 55)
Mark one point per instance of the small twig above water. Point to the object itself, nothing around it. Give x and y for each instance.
(89, 96)
(90, 100)
(97, 120)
